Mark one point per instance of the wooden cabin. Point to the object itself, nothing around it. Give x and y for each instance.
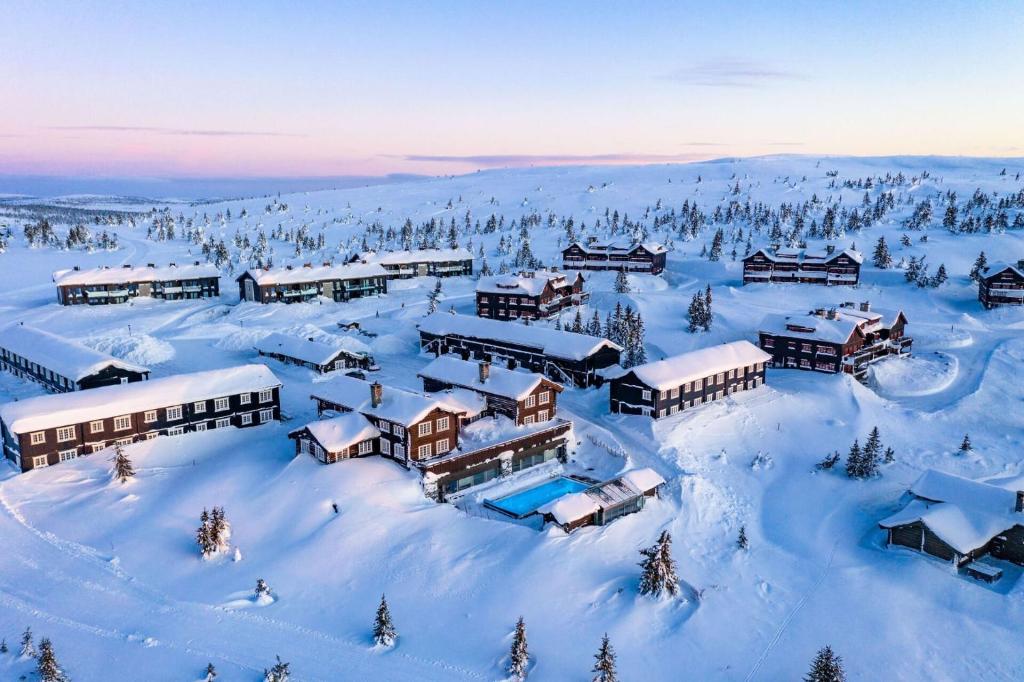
(530, 295)
(663, 388)
(1002, 284)
(803, 266)
(633, 257)
(525, 398)
(317, 356)
(307, 283)
(848, 338)
(563, 356)
(420, 262)
(107, 285)
(46, 430)
(59, 364)
(604, 502)
(959, 520)
(343, 437)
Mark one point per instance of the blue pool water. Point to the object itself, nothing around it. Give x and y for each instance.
(526, 501)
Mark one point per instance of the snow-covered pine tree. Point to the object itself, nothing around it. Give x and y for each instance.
(639, 332)
(826, 667)
(519, 655)
(206, 546)
(873, 446)
(123, 469)
(940, 276)
(828, 462)
(621, 282)
(604, 665)
(965, 444)
(279, 673)
(855, 462)
(577, 323)
(742, 542)
(659, 568)
(262, 589)
(716, 246)
(3, 646)
(384, 633)
(28, 647)
(696, 313)
(890, 456)
(47, 666)
(709, 316)
(882, 258)
(979, 267)
(913, 271)
(594, 327)
(211, 673)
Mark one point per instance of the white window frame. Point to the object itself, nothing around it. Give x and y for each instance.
(245, 398)
(199, 407)
(175, 430)
(646, 395)
(247, 419)
(423, 451)
(67, 455)
(96, 447)
(544, 397)
(442, 446)
(174, 413)
(40, 461)
(152, 434)
(221, 404)
(399, 451)
(118, 421)
(442, 424)
(266, 416)
(149, 416)
(201, 426)
(222, 423)
(266, 395)
(385, 446)
(366, 447)
(425, 429)
(399, 431)
(530, 401)
(542, 415)
(96, 426)
(65, 434)
(529, 419)
(37, 438)
(125, 441)
(384, 426)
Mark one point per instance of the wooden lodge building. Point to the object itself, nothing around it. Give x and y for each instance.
(960, 521)
(343, 437)
(420, 262)
(1002, 284)
(290, 284)
(844, 339)
(604, 502)
(563, 356)
(522, 397)
(531, 295)
(106, 285)
(50, 429)
(632, 257)
(662, 388)
(828, 267)
(61, 365)
(317, 356)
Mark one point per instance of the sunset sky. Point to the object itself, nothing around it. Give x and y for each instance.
(321, 88)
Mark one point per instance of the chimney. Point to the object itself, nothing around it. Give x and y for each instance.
(1020, 501)
(326, 264)
(484, 371)
(376, 394)
(127, 266)
(865, 306)
(173, 265)
(830, 249)
(307, 265)
(832, 314)
(1020, 264)
(820, 312)
(77, 269)
(150, 265)
(195, 262)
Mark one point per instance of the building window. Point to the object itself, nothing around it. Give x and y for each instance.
(199, 407)
(425, 429)
(96, 447)
(399, 451)
(38, 438)
(442, 424)
(245, 398)
(266, 395)
(528, 419)
(366, 447)
(125, 441)
(40, 461)
(544, 397)
(96, 426)
(149, 416)
(152, 434)
(646, 394)
(266, 415)
(424, 451)
(542, 415)
(530, 401)
(176, 431)
(174, 413)
(222, 423)
(65, 433)
(399, 431)
(385, 446)
(221, 404)
(123, 423)
(67, 455)
(674, 393)
(246, 419)
(384, 427)
(201, 426)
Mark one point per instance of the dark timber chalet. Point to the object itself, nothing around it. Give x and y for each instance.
(828, 267)
(844, 339)
(50, 429)
(538, 294)
(420, 263)
(105, 285)
(522, 397)
(563, 356)
(1002, 284)
(315, 355)
(430, 433)
(959, 520)
(631, 257)
(59, 364)
(308, 283)
(658, 389)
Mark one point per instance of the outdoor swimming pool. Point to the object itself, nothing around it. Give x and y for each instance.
(525, 502)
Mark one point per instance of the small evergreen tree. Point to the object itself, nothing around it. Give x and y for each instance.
(519, 656)
(696, 313)
(262, 588)
(28, 647)
(123, 469)
(828, 462)
(742, 541)
(855, 462)
(965, 445)
(827, 667)
(279, 673)
(604, 666)
(979, 267)
(889, 456)
(882, 258)
(211, 673)
(716, 245)
(659, 569)
(709, 316)
(3, 646)
(384, 633)
(621, 282)
(940, 276)
(47, 666)
(872, 449)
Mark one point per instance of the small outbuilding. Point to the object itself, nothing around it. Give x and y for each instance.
(344, 437)
(604, 502)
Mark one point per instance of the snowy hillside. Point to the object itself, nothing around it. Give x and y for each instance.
(110, 572)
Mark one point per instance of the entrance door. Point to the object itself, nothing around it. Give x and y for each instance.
(250, 292)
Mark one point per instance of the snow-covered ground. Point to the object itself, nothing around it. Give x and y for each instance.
(111, 573)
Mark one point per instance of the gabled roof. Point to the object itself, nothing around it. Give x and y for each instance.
(501, 382)
(545, 340)
(66, 357)
(64, 409)
(341, 432)
(313, 273)
(963, 513)
(999, 267)
(125, 275)
(619, 247)
(415, 256)
(397, 405)
(680, 369)
(800, 256)
(532, 284)
(305, 350)
(821, 329)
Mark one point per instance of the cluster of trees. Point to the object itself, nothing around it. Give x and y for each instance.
(48, 669)
(916, 272)
(626, 328)
(700, 313)
(862, 462)
(213, 533)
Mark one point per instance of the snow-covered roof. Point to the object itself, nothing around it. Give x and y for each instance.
(643, 480)
(127, 274)
(397, 405)
(823, 328)
(628, 486)
(341, 432)
(619, 246)
(416, 256)
(680, 369)
(50, 411)
(314, 273)
(501, 382)
(548, 341)
(998, 267)
(305, 350)
(965, 514)
(524, 284)
(571, 507)
(68, 358)
(461, 400)
(787, 255)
